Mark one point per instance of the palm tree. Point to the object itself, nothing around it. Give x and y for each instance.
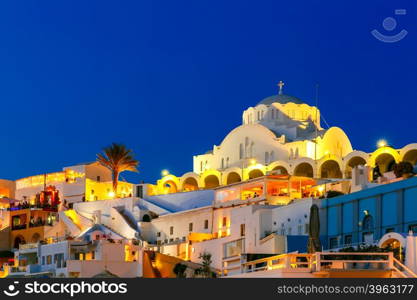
(117, 158)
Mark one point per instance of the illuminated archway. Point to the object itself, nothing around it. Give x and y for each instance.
(304, 169)
(211, 181)
(385, 161)
(170, 187)
(330, 169)
(233, 177)
(18, 240)
(280, 170)
(190, 184)
(411, 157)
(255, 173)
(393, 240)
(352, 163)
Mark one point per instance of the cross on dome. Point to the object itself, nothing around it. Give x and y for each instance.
(280, 85)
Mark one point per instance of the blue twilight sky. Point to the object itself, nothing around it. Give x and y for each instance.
(171, 78)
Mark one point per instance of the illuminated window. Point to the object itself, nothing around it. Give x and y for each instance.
(49, 259)
(224, 222)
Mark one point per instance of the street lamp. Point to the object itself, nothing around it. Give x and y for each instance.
(382, 143)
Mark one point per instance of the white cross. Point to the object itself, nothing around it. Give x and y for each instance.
(280, 85)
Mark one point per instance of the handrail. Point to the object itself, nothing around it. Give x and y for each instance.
(314, 262)
(396, 261)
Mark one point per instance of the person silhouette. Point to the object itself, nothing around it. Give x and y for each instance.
(376, 172)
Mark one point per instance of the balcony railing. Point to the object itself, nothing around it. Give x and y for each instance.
(326, 261)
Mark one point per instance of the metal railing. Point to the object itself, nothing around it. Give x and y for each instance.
(326, 261)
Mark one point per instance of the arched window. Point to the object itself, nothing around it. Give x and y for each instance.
(266, 157)
(240, 151)
(201, 166)
(259, 115)
(227, 162)
(222, 163)
(271, 156)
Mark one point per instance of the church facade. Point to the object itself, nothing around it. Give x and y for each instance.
(280, 135)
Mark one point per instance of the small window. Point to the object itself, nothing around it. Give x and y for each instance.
(333, 243)
(190, 227)
(171, 230)
(49, 259)
(98, 178)
(348, 239)
(43, 260)
(242, 229)
(413, 228)
(224, 222)
(206, 224)
(158, 234)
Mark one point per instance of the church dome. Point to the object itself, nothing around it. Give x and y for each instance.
(280, 98)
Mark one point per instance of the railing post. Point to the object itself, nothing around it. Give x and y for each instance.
(242, 266)
(390, 260)
(318, 263)
(287, 261)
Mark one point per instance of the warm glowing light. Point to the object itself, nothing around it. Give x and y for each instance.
(165, 172)
(382, 143)
(321, 188)
(111, 194)
(253, 161)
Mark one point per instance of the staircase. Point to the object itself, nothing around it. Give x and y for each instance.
(402, 271)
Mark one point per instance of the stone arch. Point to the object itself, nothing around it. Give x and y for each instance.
(18, 240)
(226, 173)
(304, 169)
(190, 182)
(233, 177)
(168, 184)
(352, 163)
(211, 181)
(390, 238)
(330, 169)
(409, 154)
(281, 166)
(255, 173)
(170, 187)
(378, 155)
